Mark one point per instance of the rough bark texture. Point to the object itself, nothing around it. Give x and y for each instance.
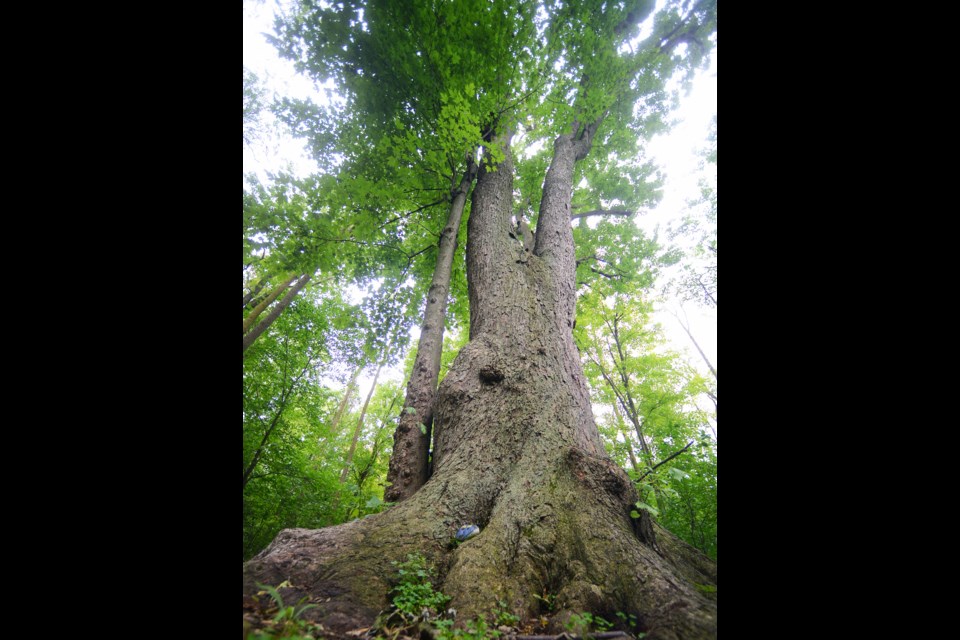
(409, 464)
(517, 452)
(263, 325)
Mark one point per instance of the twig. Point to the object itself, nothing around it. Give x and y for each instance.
(665, 460)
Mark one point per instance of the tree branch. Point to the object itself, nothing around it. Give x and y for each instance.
(604, 274)
(602, 212)
(417, 210)
(664, 461)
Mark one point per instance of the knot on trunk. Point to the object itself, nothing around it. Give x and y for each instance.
(491, 375)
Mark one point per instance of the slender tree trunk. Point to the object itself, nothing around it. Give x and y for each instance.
(284, 398)
(251, 337)
(375, 450)
(626, 437)
(699, 350)
(266, 302)
(356, 432)
(409, 464)
(254, 291)
(351, 387)
(517, 453)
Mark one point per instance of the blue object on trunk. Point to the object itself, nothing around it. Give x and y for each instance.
(466, 532)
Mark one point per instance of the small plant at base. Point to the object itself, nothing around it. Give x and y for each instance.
(476, 629)
(415, 593)
(550, 600)
(630, 622)
(583, 623)
(286, 623)
(501, 616)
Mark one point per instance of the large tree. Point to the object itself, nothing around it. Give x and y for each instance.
(516, 449)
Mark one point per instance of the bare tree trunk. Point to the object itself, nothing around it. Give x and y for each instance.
(266, 302)
(251, 337)
(409, 464)
(697, 345)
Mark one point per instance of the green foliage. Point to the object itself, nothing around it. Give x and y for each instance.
(414, 594)
(583, 623)
(476, 629)
(253, 105)
(648, 397)
(548, 599)
(629, 621)
(287, 622)
(502, 616)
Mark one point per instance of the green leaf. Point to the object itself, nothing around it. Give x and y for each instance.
(411, 410)
(677, 473)
(423, 429)
(374, 502)
(647, 507)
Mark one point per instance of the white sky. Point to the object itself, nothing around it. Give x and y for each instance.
(679, 154)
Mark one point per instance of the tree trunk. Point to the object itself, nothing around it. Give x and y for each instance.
(351, 386)
(697, 345)
(249, 338)
(626, 437)
(517, 453)
(356, 432)
(247, 297)
(409, 464)
(266, 302)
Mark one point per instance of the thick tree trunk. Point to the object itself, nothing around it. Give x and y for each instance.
(266, 302)
(517, 453)
(251, 337)
(409, 464)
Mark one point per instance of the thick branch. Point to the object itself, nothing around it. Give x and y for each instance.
(602, 212)
(605, 274)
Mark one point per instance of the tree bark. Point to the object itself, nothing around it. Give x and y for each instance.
(251, 337)
(266, 302)
(517, 453)
(409, 464)
(254, 291)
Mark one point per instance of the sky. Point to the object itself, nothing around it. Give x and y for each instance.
(679, 154)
